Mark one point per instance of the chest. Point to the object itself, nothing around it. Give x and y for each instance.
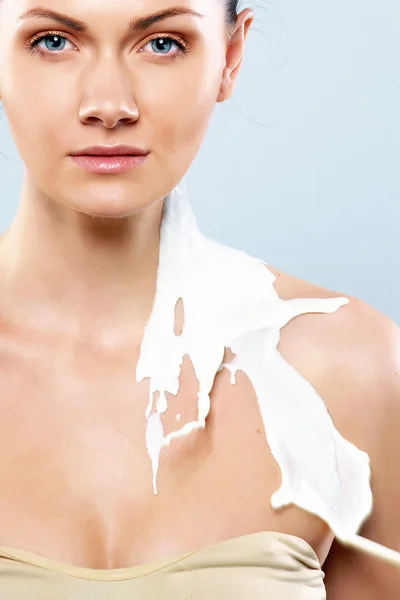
(74, 463)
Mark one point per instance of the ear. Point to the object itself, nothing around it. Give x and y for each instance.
(234, 54)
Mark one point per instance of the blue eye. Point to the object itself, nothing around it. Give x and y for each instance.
(164, 45)
(163, 41)
(54, 42)
(58, 41)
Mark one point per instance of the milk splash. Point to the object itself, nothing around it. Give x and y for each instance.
(230, 302)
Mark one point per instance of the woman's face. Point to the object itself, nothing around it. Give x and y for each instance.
(101, 82)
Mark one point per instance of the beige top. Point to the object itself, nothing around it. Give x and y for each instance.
(257, 566)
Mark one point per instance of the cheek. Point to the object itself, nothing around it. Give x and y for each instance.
(179, 114)
(35, 133)
(37, 116)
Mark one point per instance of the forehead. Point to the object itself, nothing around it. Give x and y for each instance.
(110, 10)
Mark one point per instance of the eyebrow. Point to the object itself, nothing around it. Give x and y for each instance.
(135, 25)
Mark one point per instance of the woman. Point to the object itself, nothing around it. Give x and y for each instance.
(91, 261)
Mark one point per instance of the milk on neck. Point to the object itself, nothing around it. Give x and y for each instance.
(229, 301)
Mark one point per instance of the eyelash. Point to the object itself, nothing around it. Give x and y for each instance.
(32, 45)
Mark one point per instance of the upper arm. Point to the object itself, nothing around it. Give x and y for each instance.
(368, 415)
(352, 359)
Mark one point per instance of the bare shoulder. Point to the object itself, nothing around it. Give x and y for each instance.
(352, 358)
(352, 353)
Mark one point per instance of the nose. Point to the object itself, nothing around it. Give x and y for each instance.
(108, 115)
(108, 99)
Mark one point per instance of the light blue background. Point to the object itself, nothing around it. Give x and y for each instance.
(314, 189)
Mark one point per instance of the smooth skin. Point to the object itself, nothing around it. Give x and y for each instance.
(78, 272)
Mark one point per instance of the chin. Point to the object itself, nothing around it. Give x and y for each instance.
(105, 213)
(116, 202)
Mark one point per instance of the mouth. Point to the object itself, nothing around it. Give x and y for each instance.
(102, 151)
(110, 161)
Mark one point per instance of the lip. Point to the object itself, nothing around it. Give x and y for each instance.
(108, 164)
(121, 150)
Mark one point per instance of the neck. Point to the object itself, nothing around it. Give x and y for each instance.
(68, 273)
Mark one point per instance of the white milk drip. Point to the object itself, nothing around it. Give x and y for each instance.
(230, 302)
